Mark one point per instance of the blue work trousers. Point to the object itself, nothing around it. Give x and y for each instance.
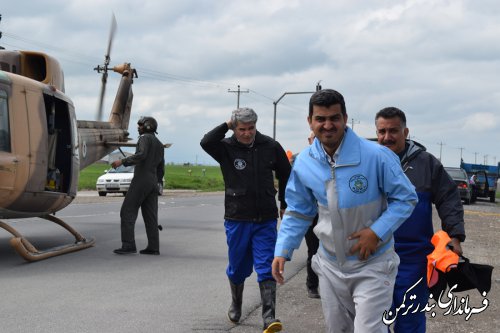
(250, 245)
(408, 275)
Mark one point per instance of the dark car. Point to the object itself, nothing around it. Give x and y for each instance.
(464, 187)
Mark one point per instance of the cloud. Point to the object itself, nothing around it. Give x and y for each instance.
(436, 60)
(480, 121)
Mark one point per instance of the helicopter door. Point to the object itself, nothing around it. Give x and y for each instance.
(4, 123)
(15, 161)
(8, 162)
(60, 157)
(35, 139)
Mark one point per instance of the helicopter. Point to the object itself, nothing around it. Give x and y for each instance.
(43, 146)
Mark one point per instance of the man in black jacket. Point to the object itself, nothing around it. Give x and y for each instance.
(412, 240)
(247, 160)
(143, 191)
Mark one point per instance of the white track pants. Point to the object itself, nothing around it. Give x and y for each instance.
(355, 295)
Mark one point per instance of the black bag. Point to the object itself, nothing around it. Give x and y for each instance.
(470, 276)
(465, 276)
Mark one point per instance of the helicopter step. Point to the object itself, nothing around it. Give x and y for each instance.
(30, 253)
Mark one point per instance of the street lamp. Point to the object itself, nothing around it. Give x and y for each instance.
(318, 87)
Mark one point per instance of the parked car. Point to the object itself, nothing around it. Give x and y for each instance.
(118, 181)
(462, 180)
(484, 185)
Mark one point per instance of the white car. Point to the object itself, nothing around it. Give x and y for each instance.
(118, 181)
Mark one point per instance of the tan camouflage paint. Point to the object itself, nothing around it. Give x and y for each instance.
(23, 170)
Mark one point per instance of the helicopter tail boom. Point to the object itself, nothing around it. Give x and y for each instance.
(120, 113)
(95, 136)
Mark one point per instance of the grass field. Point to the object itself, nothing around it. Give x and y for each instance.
(192, 177)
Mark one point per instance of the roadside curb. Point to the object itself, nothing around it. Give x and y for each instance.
(91, 193)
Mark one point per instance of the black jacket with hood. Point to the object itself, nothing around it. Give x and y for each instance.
(433, 186)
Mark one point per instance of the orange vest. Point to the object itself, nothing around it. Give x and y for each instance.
(442, 258)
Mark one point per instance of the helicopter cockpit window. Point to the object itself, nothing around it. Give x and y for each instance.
(4, 123)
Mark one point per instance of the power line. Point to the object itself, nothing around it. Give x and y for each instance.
(86, 60)
(81, 59)
(45, 46)
(89, 61)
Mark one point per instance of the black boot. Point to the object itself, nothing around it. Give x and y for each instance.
(268, 296)
(312, 281)
(234, 312)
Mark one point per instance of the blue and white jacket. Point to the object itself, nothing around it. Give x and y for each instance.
(366, 187)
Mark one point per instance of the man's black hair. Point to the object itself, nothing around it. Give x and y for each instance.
(392, 112)
(327, 98)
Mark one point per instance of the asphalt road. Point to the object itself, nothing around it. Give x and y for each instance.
(482, 228)
(185, 289)
(482, 223)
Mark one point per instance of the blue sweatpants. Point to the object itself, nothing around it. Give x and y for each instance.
(250, 245)
(408, 275)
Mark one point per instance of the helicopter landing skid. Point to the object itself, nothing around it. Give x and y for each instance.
(30, 253)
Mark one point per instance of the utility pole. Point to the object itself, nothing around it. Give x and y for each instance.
(461, 149)
(440, 149)
(238, 92)
(318, 87)
(486, 159)
(475, 157)
(353, 122)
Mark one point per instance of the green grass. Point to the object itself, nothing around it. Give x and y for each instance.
(89, 175)
(176, 176)
(194, 177)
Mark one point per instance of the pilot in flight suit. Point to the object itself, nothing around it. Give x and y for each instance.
(143, 192)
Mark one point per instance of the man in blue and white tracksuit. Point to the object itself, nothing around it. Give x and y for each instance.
(362, 196)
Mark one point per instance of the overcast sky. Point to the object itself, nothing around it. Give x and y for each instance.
(439, 61)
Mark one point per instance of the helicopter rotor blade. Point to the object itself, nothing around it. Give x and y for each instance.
(105, 68)
(101, 95)
(112, 31)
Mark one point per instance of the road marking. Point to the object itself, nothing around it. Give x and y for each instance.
(473, 212)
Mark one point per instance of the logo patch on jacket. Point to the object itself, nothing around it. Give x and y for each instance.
(358, 183)
(240, 164)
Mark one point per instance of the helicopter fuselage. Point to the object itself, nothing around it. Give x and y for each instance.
(39, 151)
(43, 146)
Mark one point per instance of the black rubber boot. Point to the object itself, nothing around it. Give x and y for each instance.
(268, 296)
(125, 250)
(234, 312)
